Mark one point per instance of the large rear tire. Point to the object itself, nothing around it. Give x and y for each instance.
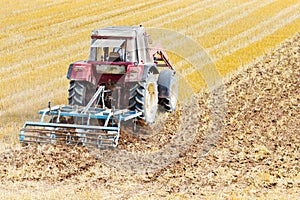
(80, 92)
(146, 98)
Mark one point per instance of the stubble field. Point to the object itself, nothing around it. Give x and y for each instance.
(255, 48)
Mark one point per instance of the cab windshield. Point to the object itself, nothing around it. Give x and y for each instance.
(113, 50)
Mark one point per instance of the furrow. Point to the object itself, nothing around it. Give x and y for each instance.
(280, 21)
(65, 36)
(261, 27)
(180, 13)
(74, 18)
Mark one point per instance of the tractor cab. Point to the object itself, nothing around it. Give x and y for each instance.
(120, 44)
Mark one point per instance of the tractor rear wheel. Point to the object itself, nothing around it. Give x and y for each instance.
(80, 92)
(146, 98)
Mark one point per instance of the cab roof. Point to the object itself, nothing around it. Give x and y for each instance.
(118, 31)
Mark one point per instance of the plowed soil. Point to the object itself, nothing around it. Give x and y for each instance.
(256, 154)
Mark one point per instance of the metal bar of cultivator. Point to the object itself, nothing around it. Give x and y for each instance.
(55, 125)
(131, 116)
(87, 107)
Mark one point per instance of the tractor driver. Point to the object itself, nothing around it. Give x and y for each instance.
(120, 50)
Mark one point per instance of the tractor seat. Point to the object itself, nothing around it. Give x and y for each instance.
(114, 57)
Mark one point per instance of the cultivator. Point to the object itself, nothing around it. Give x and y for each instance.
(78, 125)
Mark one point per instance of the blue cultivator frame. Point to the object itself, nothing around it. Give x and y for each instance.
(78, 125)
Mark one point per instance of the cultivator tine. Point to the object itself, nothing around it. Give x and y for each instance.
(96, 139)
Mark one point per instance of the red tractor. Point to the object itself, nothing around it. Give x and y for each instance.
(122, 80)
(135, 77)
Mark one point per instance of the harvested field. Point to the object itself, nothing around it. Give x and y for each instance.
(251, 153)
(256, 155)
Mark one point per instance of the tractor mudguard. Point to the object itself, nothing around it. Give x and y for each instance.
(147, 69)
(81, 71)
(140, 72)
